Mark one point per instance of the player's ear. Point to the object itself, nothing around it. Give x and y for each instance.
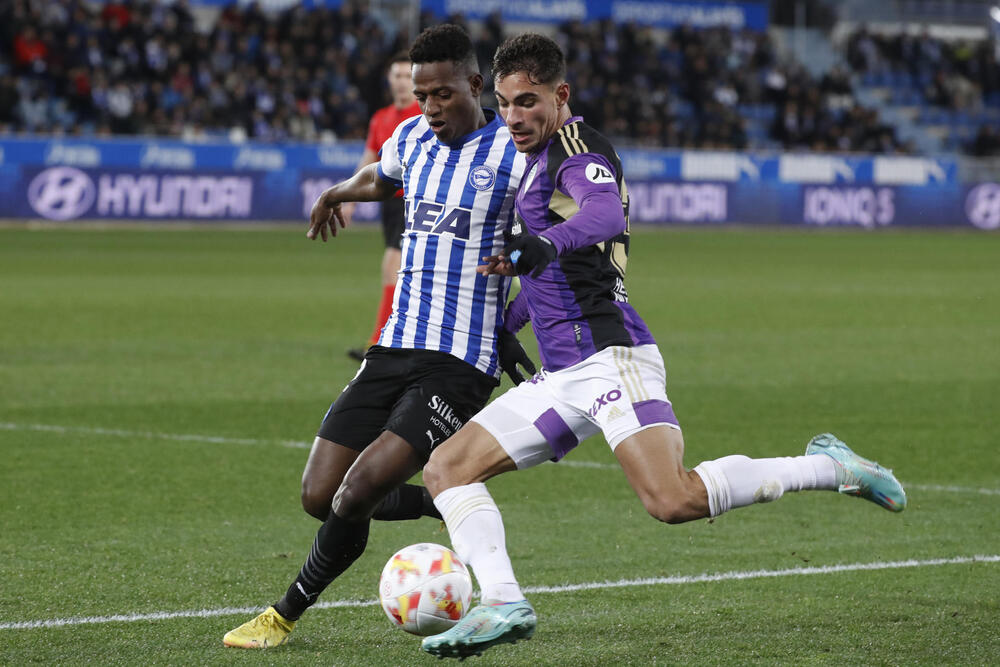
(562, 94)
(476, 84)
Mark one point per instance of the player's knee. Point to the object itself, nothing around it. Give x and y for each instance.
(440, 472)
(355, 500)
(665, 511)
(315, 501)
(672, 509)
(434, 476)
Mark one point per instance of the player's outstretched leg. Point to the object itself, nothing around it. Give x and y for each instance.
(268, 630)
(857, 476)
(484, 626)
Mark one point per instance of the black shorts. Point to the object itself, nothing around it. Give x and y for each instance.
(393, 222)
(423, 396)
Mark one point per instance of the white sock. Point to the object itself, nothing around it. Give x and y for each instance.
(477, 533)
(737, 481)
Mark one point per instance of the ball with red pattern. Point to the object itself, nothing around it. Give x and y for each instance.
(425, 589)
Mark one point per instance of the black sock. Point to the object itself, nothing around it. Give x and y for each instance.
(338, 544)
(406, 501)
(427, 504)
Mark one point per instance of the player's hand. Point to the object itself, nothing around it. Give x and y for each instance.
(512, 355)
(530, 254)
(497, 264)
(326, 214)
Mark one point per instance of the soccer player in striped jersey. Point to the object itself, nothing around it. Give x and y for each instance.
(602, 371)
(440, 354)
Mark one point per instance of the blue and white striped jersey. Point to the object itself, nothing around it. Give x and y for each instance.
(459, 201)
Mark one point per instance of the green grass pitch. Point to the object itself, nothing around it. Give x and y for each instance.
(156, 387)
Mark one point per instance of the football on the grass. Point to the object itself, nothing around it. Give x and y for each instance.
(425, 589)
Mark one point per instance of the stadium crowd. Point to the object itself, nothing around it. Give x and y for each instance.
(962, 77)
(134, 67)
(957, 75)
(692, 91)
(142, 68)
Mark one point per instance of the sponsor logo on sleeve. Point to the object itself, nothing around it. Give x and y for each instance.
(598, 173)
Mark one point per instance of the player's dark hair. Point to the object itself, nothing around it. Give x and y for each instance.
(536, 55)
(444, 43)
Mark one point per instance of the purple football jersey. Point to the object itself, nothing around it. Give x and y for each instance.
(574, 194)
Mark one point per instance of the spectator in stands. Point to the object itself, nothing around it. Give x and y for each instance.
(862, 51)
(9, 101)
(986, 142)
(30, 52)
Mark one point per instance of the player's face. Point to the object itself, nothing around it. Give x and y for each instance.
(400, 85)
(449, 98)
(533, 111)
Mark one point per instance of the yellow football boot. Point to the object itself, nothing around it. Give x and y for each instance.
(268, 630)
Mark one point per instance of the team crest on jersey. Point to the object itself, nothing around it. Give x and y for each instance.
(598, 173)
(482, 177)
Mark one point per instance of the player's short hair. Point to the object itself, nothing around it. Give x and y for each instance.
(444, 43)
(536, 55)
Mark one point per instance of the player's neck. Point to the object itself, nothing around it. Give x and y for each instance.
(480, 122)
(564, 115)
(403, 103)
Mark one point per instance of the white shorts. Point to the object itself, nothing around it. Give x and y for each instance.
(619, 390)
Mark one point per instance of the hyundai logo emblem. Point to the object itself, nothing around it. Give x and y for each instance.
(61, 193)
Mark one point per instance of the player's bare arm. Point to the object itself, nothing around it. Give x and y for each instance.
(326, 214)
(347, 207)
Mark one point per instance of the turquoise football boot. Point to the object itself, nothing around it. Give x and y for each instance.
(858, 476)
(484, 626)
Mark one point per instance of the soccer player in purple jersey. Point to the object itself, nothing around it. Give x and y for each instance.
(602, 371)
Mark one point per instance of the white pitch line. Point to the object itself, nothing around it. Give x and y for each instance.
(765, 574)
(566, 588)
(167, 615)
(952, 489)
(124, 433)
(222, 440)
(588, 464)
